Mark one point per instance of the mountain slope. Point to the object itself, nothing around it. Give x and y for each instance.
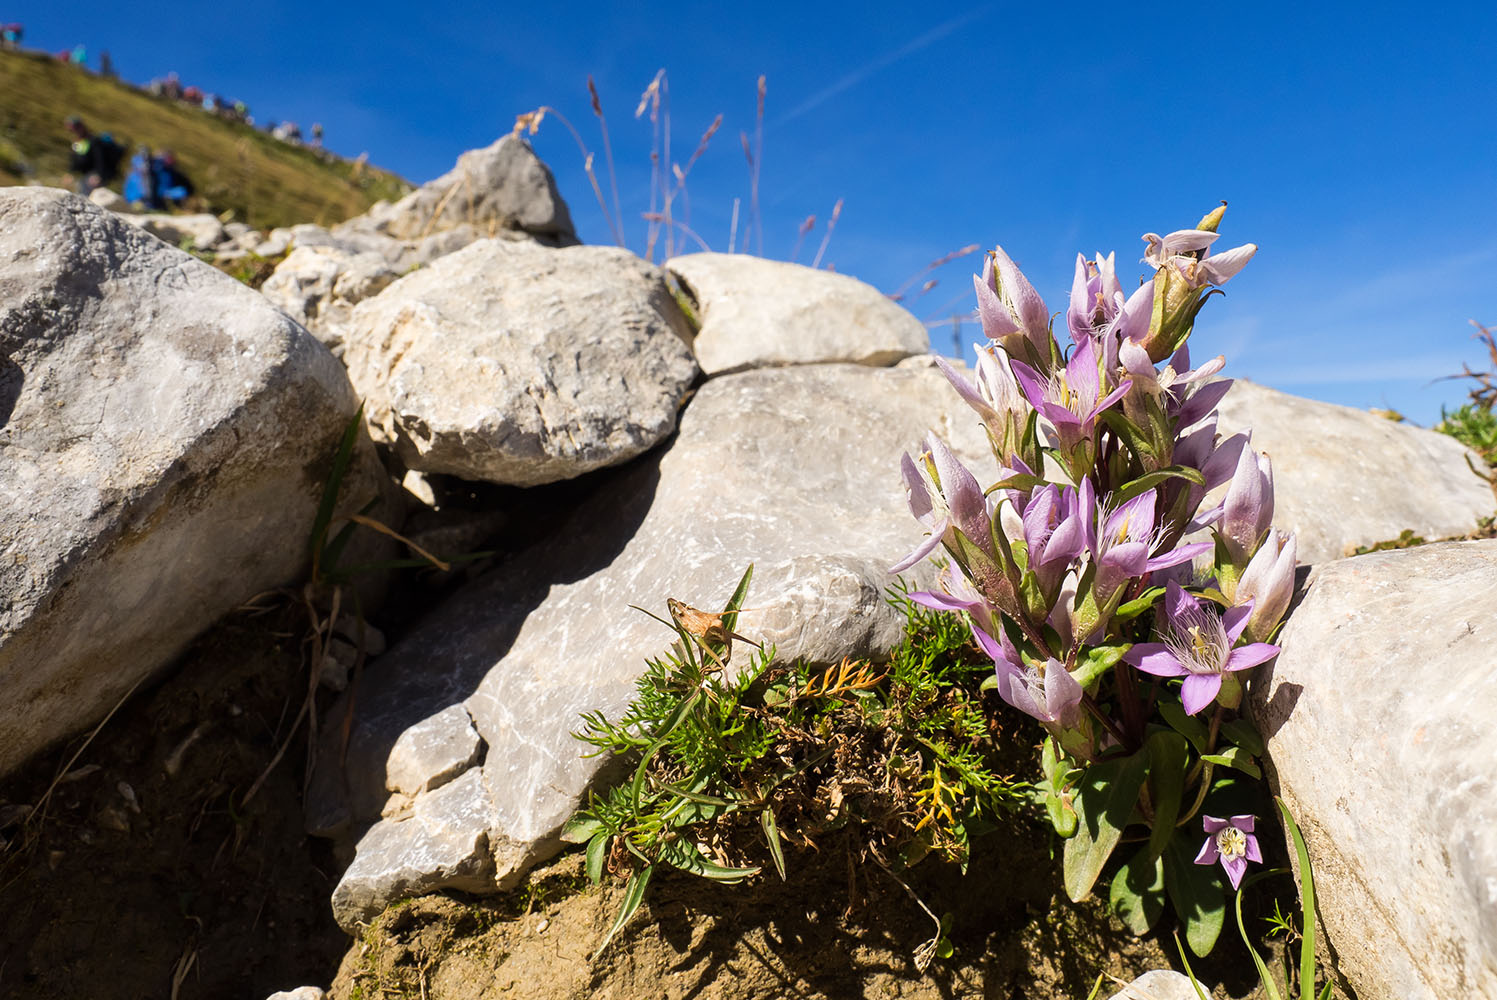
(264, 181)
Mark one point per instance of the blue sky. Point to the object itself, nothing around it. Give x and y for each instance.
(1355, 143)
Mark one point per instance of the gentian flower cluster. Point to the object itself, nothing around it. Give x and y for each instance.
(1128, 543)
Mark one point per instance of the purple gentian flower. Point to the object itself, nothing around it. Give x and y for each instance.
(1188, 252)
(1231, 842)
(1095, 293)
(1044, 691)
(996, 398)
(1011, 311)
(1247, 509)
(1053, 535)
(1122, 541)
(1267, 584)
(1071, 398)
(958, 594)
(1198, 646)
(944, 496)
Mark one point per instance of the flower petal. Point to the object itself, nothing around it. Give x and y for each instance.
(1208, 853)
(1155, 658)
(1250, 656)
(1199, 691)
(1236, 868)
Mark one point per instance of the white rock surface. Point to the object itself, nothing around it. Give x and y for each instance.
(793, 469)
(164, 434)
(200, 232)
(318, 286)
(300, 993)
(758, 313)
(1344, 477)
(110, 200)
(1378, 714)
(521, 365)
(1161, 984)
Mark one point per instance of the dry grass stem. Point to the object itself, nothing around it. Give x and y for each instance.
(898, 294)
(826, 237)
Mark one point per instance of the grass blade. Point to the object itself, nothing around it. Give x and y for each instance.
(634, 894)
(1307, 903)
(772, 834)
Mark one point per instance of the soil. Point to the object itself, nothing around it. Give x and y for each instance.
(834, 930)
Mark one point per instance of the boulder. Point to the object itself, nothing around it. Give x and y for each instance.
(504, 186)
(164, 438)
(111, 200)
(792, 469)
(1161, 984)
(1378, 716)
(1344, 477)
(520, 365)
(197, 232)
(758, 313)
(318, 286)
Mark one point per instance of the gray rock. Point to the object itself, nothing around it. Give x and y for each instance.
(758, 313)
(441, 844)
(433, 752)
(502, 186)
(793, 469)
(318, 286)
(1378, 714)
(113, 201)
(1161, 984)
(164, 434)
(199, 232)
(521, 365)
(1345, 477)
(300, 993)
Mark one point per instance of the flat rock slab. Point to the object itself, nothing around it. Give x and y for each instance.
(521, 365)
(1379, 716)
(164, 437)
(758, 313)
(1161, 984)
(1345, 477)
(793, 469)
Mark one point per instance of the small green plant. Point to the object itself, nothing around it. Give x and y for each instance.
(729, 766)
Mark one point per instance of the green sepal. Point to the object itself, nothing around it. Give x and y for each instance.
(1131, 434)
(1096, 661)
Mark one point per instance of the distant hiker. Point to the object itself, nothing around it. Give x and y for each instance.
(106, 65)
(317, 135)
(140, 185)
(79, 55)
(95, 160)
(172, 186)
(10, 35)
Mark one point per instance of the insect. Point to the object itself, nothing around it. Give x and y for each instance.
(707, 628)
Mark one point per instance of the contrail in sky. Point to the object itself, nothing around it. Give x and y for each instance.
(862, 73)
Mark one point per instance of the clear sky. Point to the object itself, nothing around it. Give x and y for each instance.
(1355, 142)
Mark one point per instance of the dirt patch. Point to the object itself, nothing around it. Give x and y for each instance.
(145, 869)
(832, 931)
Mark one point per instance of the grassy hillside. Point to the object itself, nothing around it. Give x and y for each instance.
(264, 181)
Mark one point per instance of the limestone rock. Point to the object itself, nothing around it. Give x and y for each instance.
(793, 469)
(111, 200)
(440, 845)
(758, 313)
(1378, 715)
(300, 993)
(164, 435)
(502, 186)
(521, 365)
(200, 232)
(1161, 984)
(318, 286)
(1345, 477)
(433, 752)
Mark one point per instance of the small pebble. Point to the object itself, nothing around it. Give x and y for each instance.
(541, 926)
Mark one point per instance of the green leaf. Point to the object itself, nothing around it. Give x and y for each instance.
(325, 506)
(1307, 901)
(634, 894)
(1138, 442)
(1264, 975)
(772, 834)
(1195, 983)
(1137, 893)
(1104, 800)
(1097, 661)
(1143, 602)
(1018, 481)
(1149, 480)
(1241, 732)
(1234, 757)
(1188, 726)
(581, 828)
(683, 854)
(735, 603)
(1167, 759)
(597, 854)
(1195, 892)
